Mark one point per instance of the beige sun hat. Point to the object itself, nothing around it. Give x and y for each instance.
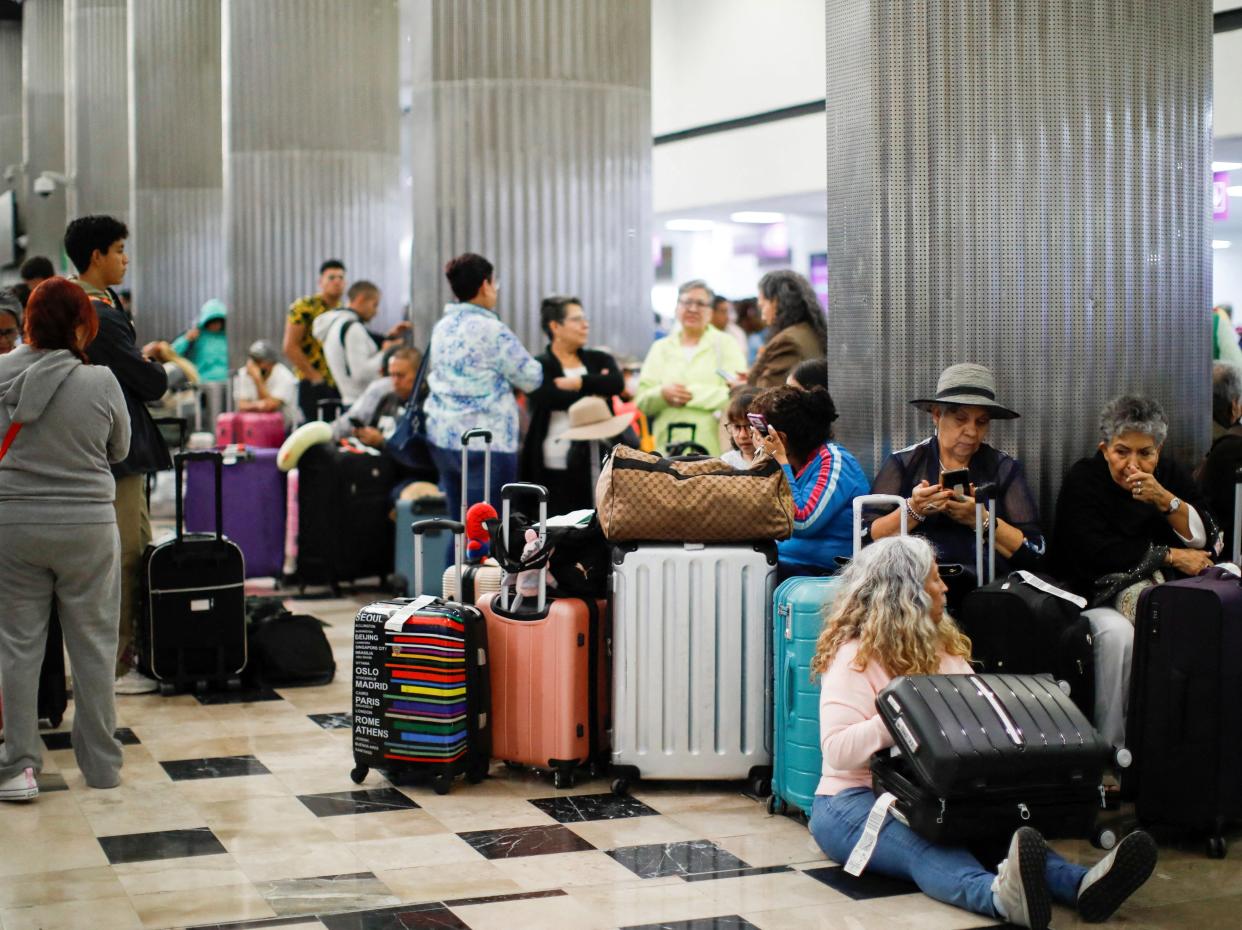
(967, 384)
(591, 418)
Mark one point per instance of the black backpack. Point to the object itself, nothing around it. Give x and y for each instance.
(286, 649)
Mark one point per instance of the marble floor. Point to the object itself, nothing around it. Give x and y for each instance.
(240, 813)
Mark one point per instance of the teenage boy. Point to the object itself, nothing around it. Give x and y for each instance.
(96, 246)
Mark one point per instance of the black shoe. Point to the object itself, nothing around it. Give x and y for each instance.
(1117, 876)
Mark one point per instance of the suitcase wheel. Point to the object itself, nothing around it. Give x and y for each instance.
(514, 766)
(359, 774)
(55, 720)
(1105, 838)
(168, 688)
(442, 784)
(620, 787)
(760, 787)
(1216, 847)
(776, 805)
(477, 771)
(563, 778)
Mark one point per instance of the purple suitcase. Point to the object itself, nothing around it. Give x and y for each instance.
(254, 508)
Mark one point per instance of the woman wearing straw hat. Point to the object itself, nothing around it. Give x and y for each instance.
(962, 411)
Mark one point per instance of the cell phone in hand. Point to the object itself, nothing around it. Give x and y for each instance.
(759, 422)
(724, 374)
(957, 481)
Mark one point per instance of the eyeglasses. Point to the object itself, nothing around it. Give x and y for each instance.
(689, 302)
(8, 334)
(738, 427)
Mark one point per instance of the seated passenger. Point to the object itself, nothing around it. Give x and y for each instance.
(1127, 519)
(811, 373)
(1218, 474)
(206, 344)
(742, 452)
(888, 619)
(962, 412)
(265, 385)
(823, 476)
(353, 354)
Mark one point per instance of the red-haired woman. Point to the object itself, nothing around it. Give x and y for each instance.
(62, 422)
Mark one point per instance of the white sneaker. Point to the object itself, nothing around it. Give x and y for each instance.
(1021, 886)
(21, 787)
(134, 682)
(1117, 876)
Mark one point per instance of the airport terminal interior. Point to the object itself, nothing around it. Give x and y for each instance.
(1031, 207)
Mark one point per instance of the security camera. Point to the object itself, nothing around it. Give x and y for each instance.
(44, 186)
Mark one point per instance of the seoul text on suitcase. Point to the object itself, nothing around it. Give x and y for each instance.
(421, 692)
(691, 678)
(194, 597)
(977, 756)
(547, 664)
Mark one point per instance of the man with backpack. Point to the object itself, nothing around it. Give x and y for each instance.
(354, 354)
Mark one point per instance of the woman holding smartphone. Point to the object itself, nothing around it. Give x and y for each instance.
(937, 478)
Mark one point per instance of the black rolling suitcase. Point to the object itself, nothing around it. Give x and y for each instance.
(422, 691)
(343, 504)
(1185, 723)
(195, 600)
(981, 755)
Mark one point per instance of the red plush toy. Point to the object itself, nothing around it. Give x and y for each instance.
(478, 540)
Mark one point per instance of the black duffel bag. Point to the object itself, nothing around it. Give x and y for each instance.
(286, 649)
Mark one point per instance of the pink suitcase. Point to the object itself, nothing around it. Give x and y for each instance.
(548, 674)
(257, 430)
(291, 523)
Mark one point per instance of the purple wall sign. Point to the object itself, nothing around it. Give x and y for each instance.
(1220, 195)
(819, 276)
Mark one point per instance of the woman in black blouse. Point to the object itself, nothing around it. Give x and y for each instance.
(570, 372)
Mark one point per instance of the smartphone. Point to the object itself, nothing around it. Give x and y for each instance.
(724, 374)
(957, 481)
(758, 421)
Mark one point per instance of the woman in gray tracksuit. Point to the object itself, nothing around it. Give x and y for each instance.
(63, 422)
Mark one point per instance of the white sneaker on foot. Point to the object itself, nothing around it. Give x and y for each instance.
(134, 682)
(1021, 887)
(21, 787)
(1117, 876)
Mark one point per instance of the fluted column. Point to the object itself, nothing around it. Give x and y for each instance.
(533, 147)
(177, 194)
(96, 108)
(10, 95)
(43, 123)
(1024, 185)
(311, 153)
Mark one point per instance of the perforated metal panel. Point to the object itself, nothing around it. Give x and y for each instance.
(537, 154)
(43, 121)
(311, 154)
(177, 201)
(96, 108)
(1026, 185)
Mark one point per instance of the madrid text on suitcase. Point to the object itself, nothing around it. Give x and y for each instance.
(421, 693)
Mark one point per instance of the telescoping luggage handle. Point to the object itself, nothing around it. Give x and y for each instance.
(421, 528)
(985, 500)
(1236, 554)
(217, 461)
(870, 500)
(486, 436)
(507, 494)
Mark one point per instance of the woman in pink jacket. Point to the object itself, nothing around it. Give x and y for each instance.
(888, 619)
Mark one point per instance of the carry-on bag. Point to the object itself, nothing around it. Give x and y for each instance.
(254, 506)
(799, 607)
(977, 756)
(256, 430)
(691, 672)
(194, 597)
(546, 665)
(1184, 728)
(421, 695)
(287, 650)
(479, 576)
(645, 498)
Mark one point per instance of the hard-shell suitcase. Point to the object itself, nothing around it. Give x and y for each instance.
(1185, 723)
(410, 512)
(254, 506)
(691, 679)
(421, 695)
(482, 576)
(256, 430)
(194, 598)
(799, 607)
(343, 507)
(546, 664)
(977, 756)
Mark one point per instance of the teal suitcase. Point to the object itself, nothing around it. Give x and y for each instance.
(409, 513)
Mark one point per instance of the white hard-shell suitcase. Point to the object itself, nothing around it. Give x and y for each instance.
(691, 666)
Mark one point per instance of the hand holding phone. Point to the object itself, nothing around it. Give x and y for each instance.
(957, 481)
(759, 422)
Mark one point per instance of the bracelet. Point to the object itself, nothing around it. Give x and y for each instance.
(918, 518)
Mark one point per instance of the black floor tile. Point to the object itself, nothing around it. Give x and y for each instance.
(500, 898)
(661, 859)
(730, 922)
(736, 873)
(245, 696)
(576, 808)
(341, 721)
(432, 916)
(368, 801)
(219, 767)
(525, 841)
(861, 888)
(262, 923)
(57, 741)
(166, 844)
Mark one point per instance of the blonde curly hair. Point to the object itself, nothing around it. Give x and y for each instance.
(881, 602)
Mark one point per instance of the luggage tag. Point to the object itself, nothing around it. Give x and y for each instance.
(865, 847)
(396, 623)
(1040, 585)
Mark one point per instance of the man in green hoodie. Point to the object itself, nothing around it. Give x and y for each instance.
(206, 344)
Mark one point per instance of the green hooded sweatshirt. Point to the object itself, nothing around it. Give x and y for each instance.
(210, 351)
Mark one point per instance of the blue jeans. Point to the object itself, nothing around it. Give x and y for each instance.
(448, 461)
(947, 873)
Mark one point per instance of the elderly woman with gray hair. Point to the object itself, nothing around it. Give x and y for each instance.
(1127, 518)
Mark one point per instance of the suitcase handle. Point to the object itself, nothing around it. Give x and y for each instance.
(507, 494)
(866, 500)
(420, 529)
(486, 436)
(1236, 553)
(217, 461)
(985, 500)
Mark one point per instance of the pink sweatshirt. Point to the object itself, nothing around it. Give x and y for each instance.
(851, 730)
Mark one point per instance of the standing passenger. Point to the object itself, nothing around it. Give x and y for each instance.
(315, 381)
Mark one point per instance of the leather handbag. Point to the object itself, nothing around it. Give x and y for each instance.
(642, 497)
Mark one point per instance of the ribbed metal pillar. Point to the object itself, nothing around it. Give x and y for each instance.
(10, 95)
(311, 153)
(537, 154)
(1024, 185)
(43, 123)
(96, 108)
(177, 175)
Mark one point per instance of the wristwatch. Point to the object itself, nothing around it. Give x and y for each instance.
(1174, 505)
